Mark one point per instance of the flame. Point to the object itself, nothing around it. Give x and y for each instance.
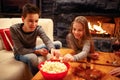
(97, 28)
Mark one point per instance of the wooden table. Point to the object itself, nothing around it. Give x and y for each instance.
(105, 63)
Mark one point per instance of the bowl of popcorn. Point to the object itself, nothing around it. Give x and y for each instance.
(53, 69)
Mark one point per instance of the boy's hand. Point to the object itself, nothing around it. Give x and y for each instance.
(55, 53)
(42, 51)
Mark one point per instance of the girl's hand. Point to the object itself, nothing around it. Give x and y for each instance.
(117, 53)
(94, 56)
(42, 51)
(68, 57)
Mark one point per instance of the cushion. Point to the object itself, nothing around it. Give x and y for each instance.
(6, 38)
(1, 44)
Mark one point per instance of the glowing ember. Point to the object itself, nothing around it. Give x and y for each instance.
(96, 28)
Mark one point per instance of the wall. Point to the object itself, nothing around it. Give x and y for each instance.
(66, 10)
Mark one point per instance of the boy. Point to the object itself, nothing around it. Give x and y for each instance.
(24, 38)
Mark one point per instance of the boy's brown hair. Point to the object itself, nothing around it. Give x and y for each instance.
(30, 9)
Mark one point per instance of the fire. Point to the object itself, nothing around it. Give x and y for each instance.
(96, 28)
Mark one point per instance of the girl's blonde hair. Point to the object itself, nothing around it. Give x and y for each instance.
(87, 35)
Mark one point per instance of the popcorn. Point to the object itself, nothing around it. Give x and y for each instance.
(53, 67)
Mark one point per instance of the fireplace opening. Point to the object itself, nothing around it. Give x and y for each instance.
(101, 26)
(103, 35)
(103, 30)
(103, 19)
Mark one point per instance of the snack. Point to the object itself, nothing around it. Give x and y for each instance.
(53, 67)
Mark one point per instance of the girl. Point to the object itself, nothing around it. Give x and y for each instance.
(79, 39)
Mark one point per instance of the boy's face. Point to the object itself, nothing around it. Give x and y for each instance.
(30, 22)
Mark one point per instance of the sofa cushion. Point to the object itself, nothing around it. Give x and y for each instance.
(6, 38)
(5, 23)
(11, 69)
(47, 25)
(1, 44)
(5, 43)
(5, 55)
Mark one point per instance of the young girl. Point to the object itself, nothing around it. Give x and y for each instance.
(79, 39)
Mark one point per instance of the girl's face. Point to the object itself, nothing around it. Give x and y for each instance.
(30, 22)
(78, 30)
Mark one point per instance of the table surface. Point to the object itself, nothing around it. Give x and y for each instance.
(105, 63)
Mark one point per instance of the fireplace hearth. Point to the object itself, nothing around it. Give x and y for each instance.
(105, 11)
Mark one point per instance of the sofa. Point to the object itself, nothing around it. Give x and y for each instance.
(11, 69)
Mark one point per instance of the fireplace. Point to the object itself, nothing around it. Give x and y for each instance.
(103, 13)
(101, 26)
